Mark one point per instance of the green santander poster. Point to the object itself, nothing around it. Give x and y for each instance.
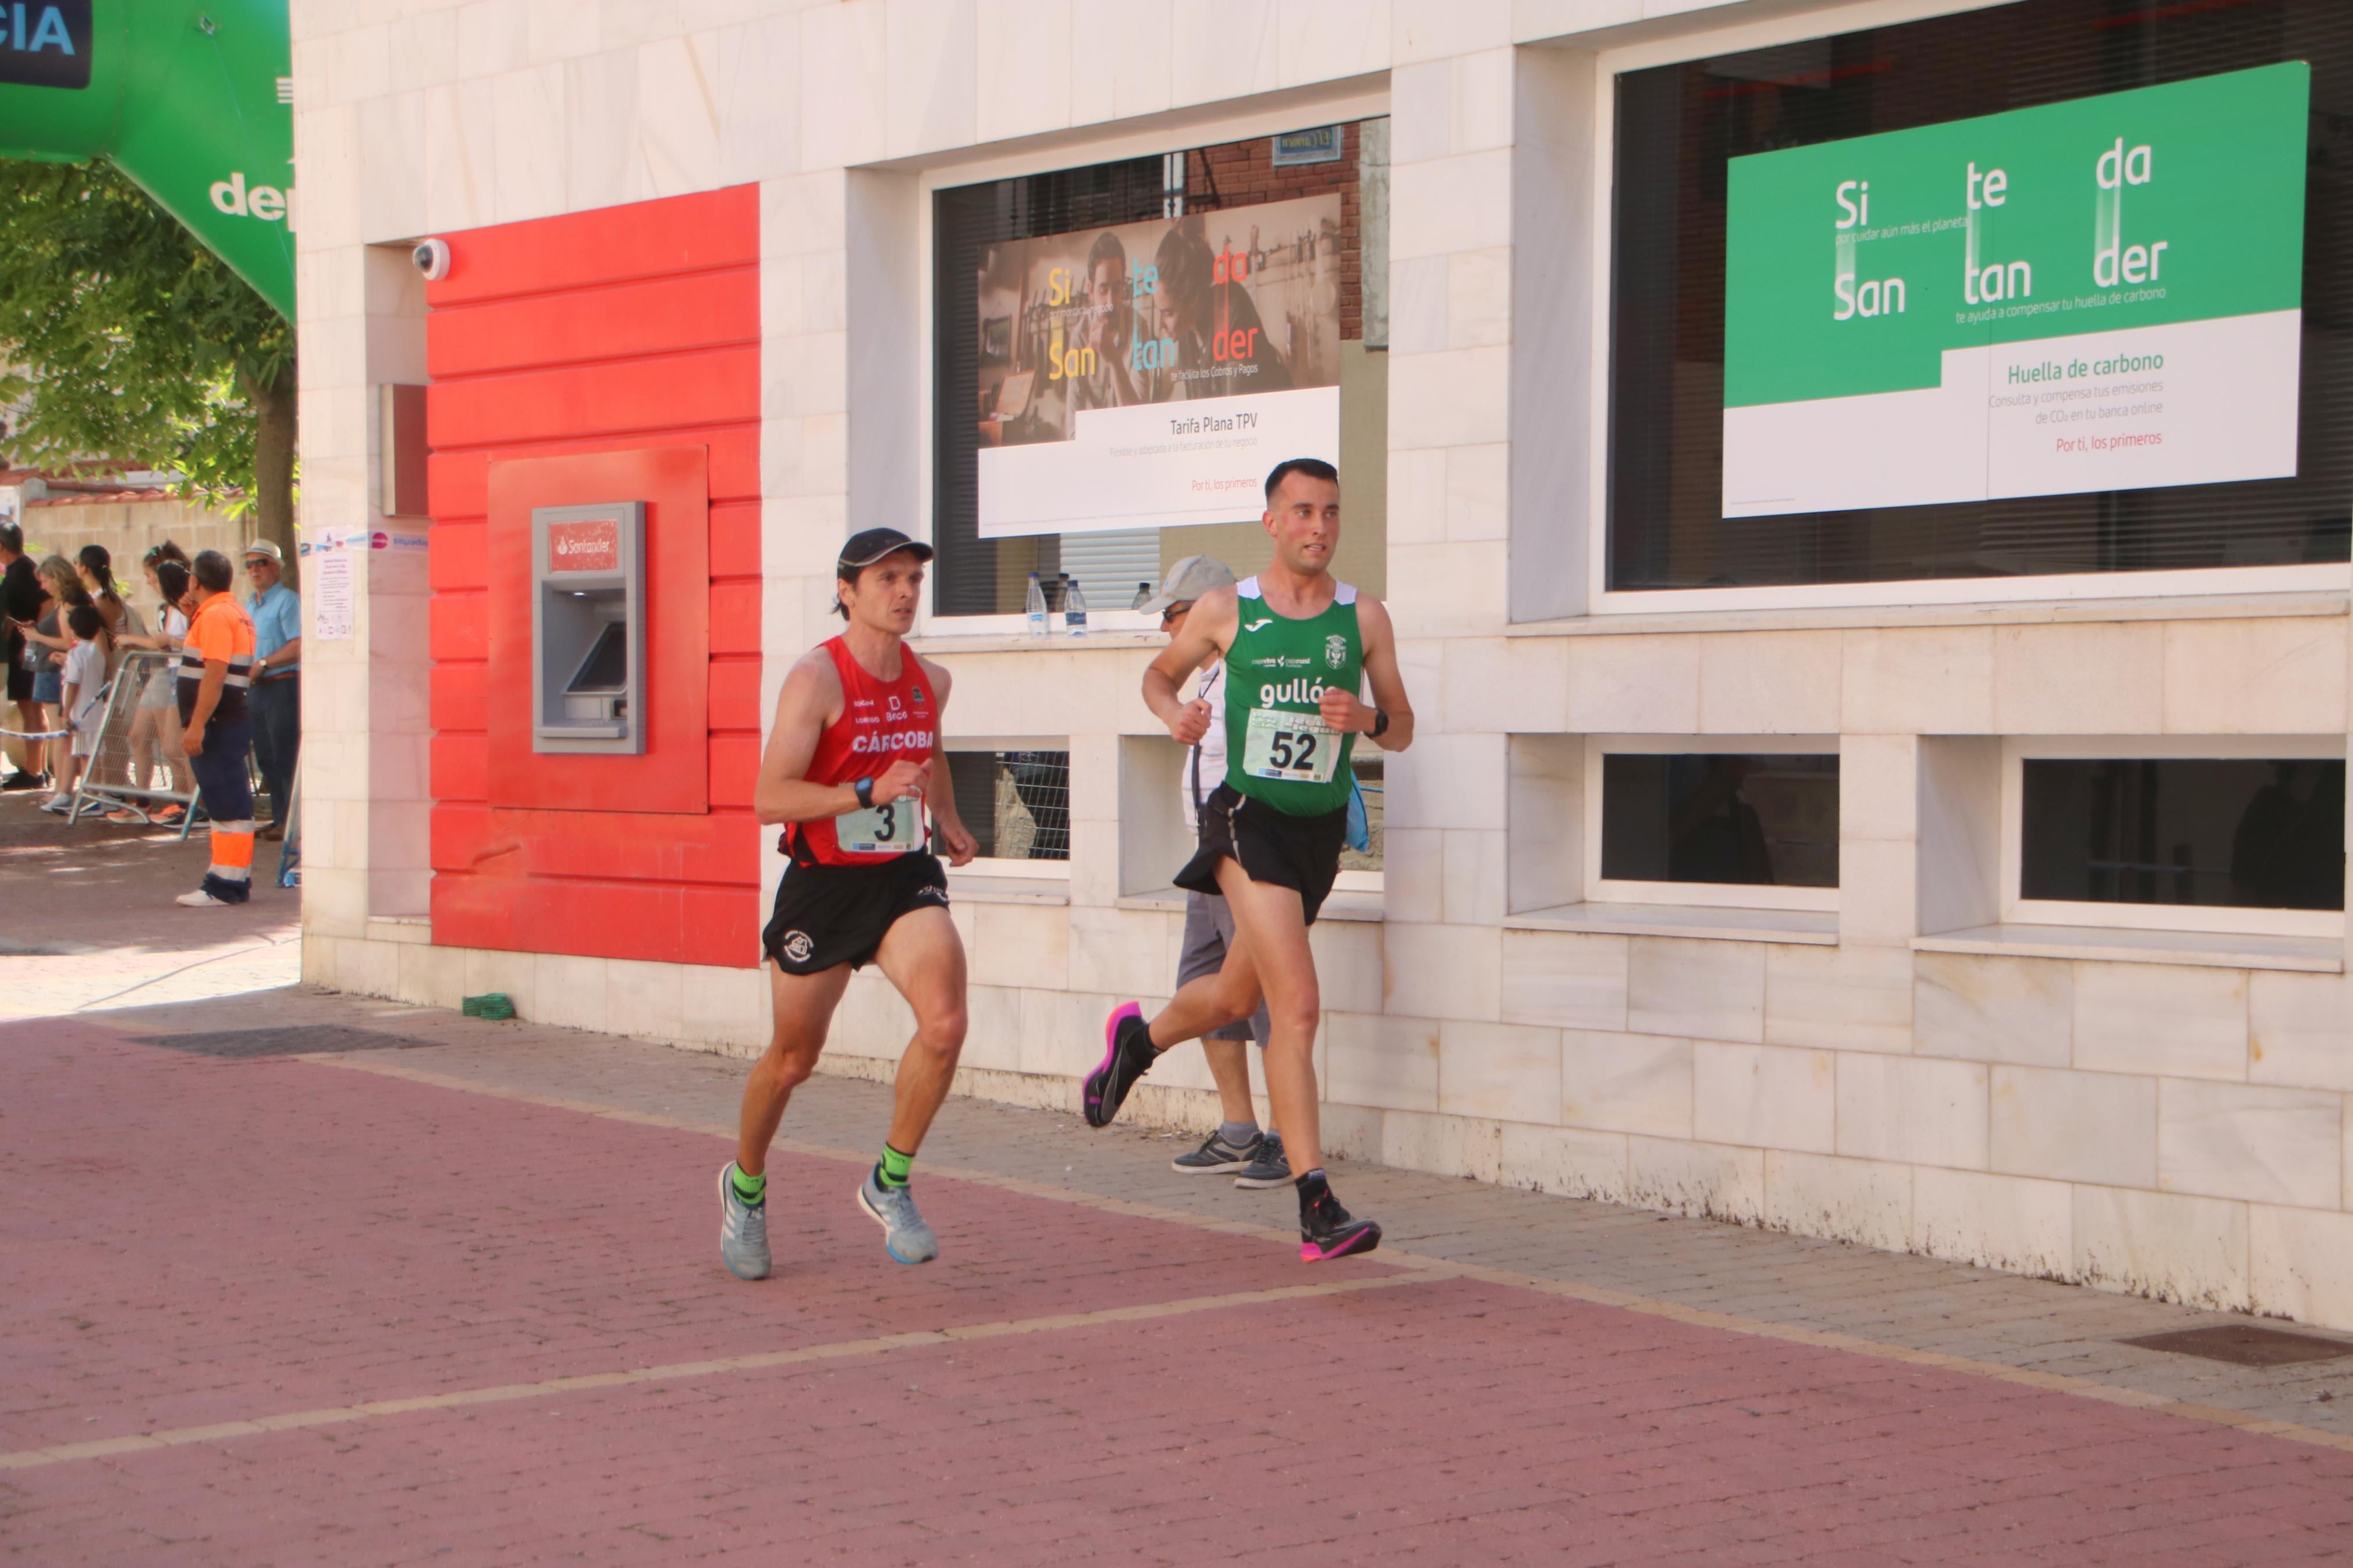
(2104, 294)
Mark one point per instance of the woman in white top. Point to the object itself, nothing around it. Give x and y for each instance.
(156, 724)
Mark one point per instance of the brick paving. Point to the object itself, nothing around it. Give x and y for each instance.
(199, 1244)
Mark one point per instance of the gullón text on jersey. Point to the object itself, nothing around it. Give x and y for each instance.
(1299, 688)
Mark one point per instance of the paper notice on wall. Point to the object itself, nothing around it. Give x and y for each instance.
(331, 597)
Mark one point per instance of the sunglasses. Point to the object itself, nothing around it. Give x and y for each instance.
(1173, 611)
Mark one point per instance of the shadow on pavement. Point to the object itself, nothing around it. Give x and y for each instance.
(84, 887)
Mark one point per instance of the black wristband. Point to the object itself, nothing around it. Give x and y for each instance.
(865, 788)
(1380, 723)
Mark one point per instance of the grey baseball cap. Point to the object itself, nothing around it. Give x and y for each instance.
(1188, 581)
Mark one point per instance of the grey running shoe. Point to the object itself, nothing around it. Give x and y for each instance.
(1269, 1169)
(904, 1234)
(1215, 1157)
(743, 1230)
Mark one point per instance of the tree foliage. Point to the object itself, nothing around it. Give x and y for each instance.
(123, 338)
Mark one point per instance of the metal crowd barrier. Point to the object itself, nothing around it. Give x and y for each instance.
(106, 783)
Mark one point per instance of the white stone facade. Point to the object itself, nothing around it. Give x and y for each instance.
(2162, 1111)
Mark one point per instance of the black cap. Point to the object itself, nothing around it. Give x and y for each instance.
(862, 549)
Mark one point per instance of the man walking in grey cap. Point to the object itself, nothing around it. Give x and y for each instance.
(1237, 1146)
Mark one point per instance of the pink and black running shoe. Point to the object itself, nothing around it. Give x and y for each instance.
(1326, 1230)
(1128, 1056)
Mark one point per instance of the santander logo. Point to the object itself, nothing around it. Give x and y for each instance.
(594, 546)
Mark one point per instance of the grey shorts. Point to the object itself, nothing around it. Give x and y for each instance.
(1209, 928)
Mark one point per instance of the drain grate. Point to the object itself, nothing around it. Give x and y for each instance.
(2243, 1345)
(302, 1040)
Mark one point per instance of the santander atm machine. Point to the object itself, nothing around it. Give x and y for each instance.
(587, 628)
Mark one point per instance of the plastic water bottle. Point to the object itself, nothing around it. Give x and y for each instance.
(1037, 606)
(1074, 608)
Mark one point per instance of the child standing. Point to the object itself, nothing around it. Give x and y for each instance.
(84, 682)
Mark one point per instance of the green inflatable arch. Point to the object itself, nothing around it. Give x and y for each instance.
(194, 102)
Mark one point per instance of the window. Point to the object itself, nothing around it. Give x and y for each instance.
(1720, 821)
(2242, 833)
(2231, 834)
(1678, 125)
(1015, 805)
(1006, 326)
(1747, 818)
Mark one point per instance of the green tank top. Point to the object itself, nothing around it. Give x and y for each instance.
(1277, 748)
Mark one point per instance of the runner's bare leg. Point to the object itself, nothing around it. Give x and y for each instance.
(1212, 1001)
(923, 957)
(803, 1006)
(1271, 938)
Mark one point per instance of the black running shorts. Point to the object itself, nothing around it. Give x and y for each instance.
(1301, 853)
(827, 915)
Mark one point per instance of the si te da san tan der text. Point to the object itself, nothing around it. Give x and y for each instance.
(2114, 263)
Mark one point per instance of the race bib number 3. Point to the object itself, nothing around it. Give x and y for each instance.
(889, 827)
(1298, 747)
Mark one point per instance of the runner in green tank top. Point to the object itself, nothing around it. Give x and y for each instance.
(1299, 647)
(1278, 748)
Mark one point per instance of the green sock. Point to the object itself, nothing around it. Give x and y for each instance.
(753, 1190)
(892, 1168)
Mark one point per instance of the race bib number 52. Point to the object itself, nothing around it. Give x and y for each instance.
(1297, 747)
(888, 828)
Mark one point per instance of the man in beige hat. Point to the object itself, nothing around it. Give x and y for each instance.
(276, 699)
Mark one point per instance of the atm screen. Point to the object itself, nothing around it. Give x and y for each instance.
(606, 668)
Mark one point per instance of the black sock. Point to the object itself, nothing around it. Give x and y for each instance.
(1312, 1186)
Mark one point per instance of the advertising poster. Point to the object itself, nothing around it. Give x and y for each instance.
(1148, 374)
(2099, 295)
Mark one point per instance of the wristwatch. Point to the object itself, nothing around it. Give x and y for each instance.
(865, 788)
(1380, 723)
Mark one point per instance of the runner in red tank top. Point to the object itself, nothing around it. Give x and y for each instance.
(881, 721)
(852, 766)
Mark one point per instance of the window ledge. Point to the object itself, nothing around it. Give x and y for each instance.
(2201, 607)
(417, 929)
(1008, 889)
(1345, 904)
(1807, 926)
(2215, 950)
(1022, 642)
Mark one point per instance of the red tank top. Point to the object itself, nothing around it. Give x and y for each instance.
(881, 721)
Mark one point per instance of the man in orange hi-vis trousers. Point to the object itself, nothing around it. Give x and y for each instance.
(216, 670)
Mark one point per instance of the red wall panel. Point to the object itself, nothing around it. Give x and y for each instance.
(677, 235)
(670, 392)
(625, 331)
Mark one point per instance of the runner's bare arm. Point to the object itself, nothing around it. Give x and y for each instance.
(1344, 710)
(810, 701)
(954, 835)
(1209, 629)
